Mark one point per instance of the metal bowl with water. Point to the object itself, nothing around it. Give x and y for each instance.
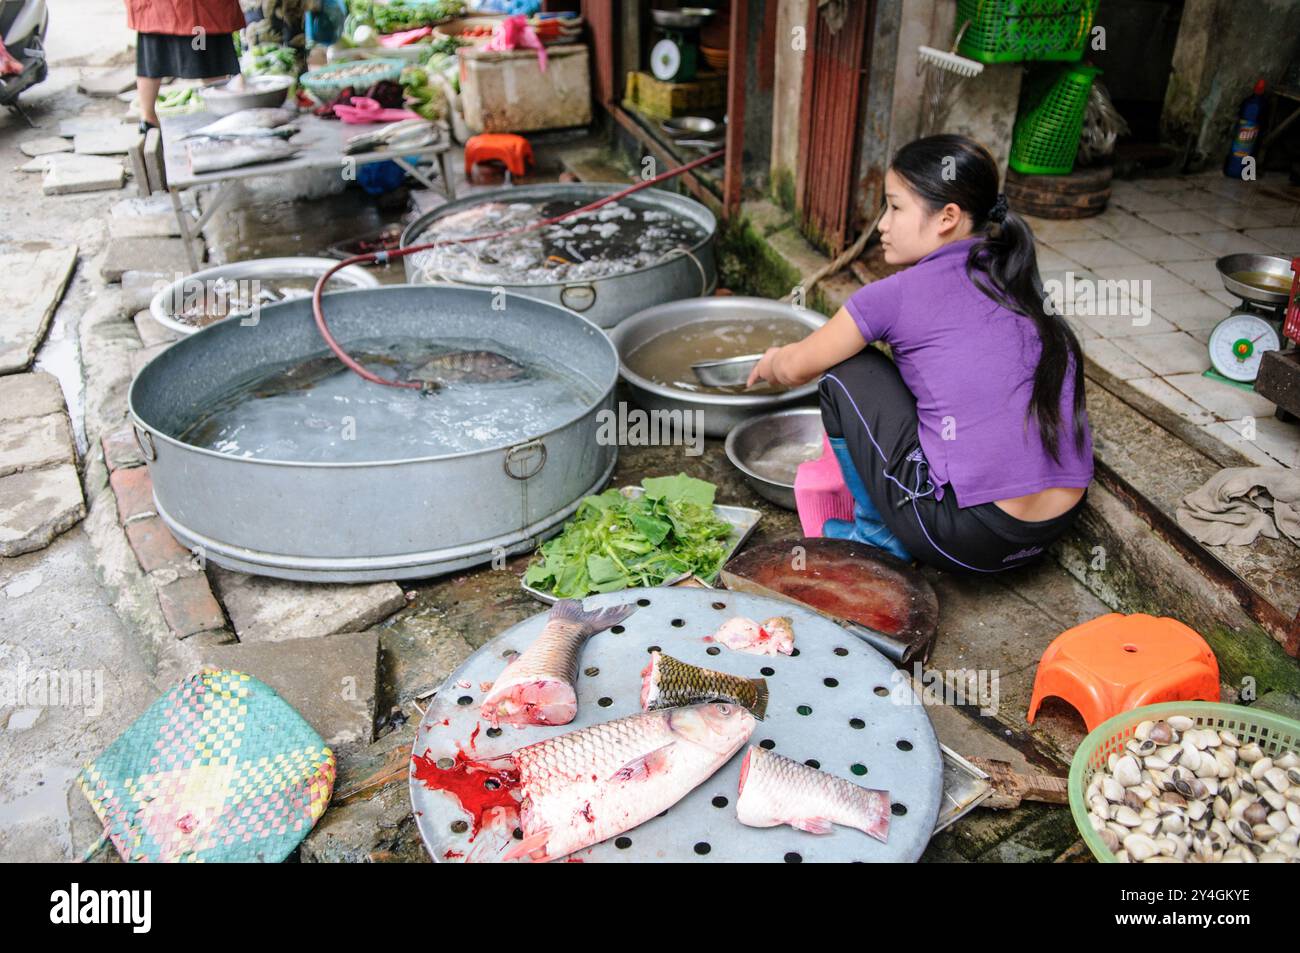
(1260, 279)
(769, 449)
(720, 412)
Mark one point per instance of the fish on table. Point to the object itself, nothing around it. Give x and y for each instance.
(469, 367)
(771, 637)
(589, 785)
(776, 790)
(539, 686)
(234, 153)
(249, 123)
(668, 682)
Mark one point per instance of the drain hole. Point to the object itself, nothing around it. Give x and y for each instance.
(904, 745)
(459, 827)
(898, 809)
(494, 732)
(702, 848)
(858, 769)
(678, 623)
(509, 654)
(622, 843)
(643, 602)
(713, 650)
(605, 702)
(465, 700)
(881, 690)
(591, 672)
(618, 629)
(491, 784)
(769, 672)
(719, 606)
(793, 858)
(794, 653)
(517, 834)
(445, 763)
(841, 651)
(813, 763)
(767, 743)
(857, 723)
(831, 682)
(719, 801)
(804, 709)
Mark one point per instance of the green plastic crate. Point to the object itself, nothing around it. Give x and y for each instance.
(1046, 136)
(1017, 31)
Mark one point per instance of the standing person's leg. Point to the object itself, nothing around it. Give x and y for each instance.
(148, 78)
(146, 88)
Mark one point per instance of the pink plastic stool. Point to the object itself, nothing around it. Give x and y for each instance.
(820, 493)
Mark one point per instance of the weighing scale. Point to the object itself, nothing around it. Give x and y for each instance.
(675, 58)
(1238, 342)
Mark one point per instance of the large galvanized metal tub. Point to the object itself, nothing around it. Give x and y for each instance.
(382, 519)
(605, 301)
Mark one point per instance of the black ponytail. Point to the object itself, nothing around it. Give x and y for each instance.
(1003, 264)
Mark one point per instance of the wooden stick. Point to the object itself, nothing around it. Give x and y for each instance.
(1010, 788)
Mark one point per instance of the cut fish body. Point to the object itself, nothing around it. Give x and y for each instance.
(775, 790)
(668, 682)
(773, 636)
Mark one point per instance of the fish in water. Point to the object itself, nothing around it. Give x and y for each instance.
(537, 688)
(469, 367)
(745, 635)
(247, 122)
(775, 790)
(309, 373)
(233, 153)
(588, 785)
(668, 682)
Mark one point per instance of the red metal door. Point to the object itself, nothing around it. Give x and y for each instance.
(836, 58)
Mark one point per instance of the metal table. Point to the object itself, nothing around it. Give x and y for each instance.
(837, 702)
(321, 143)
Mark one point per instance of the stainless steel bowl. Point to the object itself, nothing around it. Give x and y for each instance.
(685, 18)
(1230, 265)
(695, 127)
(767, 450)
(720, 412)
(258, 92)
(732, 372)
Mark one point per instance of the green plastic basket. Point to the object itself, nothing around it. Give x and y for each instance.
(1274, 733)
(1017, 31)
(1045, 140)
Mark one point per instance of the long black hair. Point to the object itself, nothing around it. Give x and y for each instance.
(956, 169)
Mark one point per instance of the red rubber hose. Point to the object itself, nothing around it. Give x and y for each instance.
(385, 256)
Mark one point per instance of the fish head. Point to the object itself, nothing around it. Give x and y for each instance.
(718, 726)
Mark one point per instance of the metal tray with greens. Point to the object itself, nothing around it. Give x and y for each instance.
(656, 534)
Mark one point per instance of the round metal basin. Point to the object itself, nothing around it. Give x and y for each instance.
(171, 298)
(386, 519)
(604, 301)
(1274, 265)
(720, 412)
(765, 449)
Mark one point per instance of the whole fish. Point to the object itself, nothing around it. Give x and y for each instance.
(775, 790)
(233, 153)
(246, 122)
(745, 635)
(668, 682)
(469, 367)
(586, 786)
(537, 688)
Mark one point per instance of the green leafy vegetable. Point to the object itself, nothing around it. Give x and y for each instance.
(614, 542)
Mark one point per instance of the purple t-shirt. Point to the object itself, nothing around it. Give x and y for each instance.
(970, 363)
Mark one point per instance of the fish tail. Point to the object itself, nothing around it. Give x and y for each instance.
(759, 707)
(591, 620)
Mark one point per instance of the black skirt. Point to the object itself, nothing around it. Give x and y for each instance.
(162, 55)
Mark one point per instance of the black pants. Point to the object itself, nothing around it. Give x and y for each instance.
(865, 401)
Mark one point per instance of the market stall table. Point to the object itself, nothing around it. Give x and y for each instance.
(322, 144)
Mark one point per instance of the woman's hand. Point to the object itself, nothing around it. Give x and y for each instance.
(765, 369)
(798, 363)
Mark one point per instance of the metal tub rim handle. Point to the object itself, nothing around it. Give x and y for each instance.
(519, 459)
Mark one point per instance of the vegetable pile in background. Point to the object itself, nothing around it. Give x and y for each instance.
(398, 15)
(615, 542)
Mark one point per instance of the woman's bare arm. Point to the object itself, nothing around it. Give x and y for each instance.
(798, 363)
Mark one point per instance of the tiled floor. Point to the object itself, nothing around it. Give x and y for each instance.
(1167, 233)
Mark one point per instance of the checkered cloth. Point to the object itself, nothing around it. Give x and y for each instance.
(218, 769)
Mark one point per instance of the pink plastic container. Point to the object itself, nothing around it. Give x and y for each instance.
(820, 493)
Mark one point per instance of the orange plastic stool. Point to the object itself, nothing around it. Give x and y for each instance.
(1118, 662)
(515, 151)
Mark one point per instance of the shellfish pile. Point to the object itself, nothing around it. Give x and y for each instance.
(1177, 793)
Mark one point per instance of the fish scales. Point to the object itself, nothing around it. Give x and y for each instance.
(668, 682)
(776, 790)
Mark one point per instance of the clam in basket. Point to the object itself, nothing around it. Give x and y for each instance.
(1274, 734)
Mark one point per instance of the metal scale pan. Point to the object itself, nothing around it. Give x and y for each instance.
(837, 701)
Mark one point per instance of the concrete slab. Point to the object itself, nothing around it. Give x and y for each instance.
(107, 84)
(151, 332)
(44, 145)
(36, 506)
(275, 610)
(142, 217)
(330, 681)
(74, 173)
(29, 395)
(151, 256)
(75, 125)
(35, 285)
(30, 443)
(153, 161)
(115, 141)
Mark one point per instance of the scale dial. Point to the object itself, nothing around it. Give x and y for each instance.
(1238, 343)
(665, 60)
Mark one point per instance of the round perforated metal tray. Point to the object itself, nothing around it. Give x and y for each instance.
(837, 703)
